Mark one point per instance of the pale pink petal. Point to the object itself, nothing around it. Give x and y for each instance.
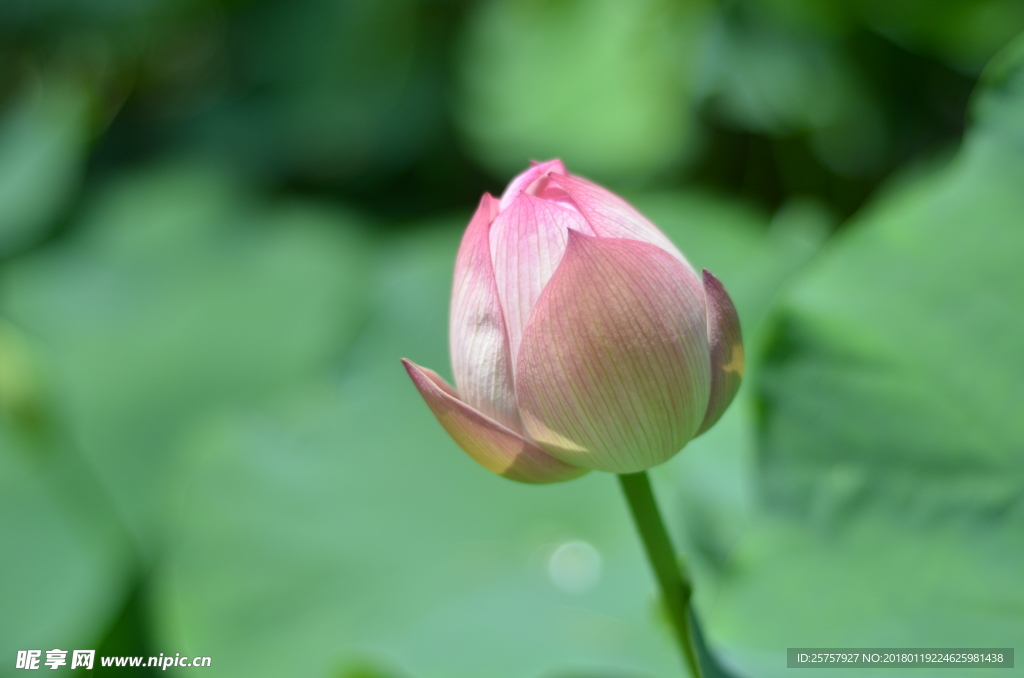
(532, 181)
(527, 242)
(481, 360)
(493, 446)
(612, 217)
(613, 372)
(726, 346)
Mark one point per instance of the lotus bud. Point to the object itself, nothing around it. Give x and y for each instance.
(580, 337)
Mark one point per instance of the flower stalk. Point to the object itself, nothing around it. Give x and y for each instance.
(672, 576)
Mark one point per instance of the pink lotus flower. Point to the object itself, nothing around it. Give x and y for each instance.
(581, 338)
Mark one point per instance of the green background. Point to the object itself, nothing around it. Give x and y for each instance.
(223, 223)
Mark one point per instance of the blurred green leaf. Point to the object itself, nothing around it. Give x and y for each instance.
(177, 294)
(964, 33)
(29, 13)
(324, 90)
(764, 76)
(999, 103)
(340, 524)
(66, 560)
(604, 85)
(21, 379)
(891, 433)
(65, 570)
(44, 139)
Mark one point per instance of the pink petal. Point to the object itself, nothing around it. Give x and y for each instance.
(613, 372)
(481, 360)
(527, 242)
(612, 217)
(493, 446)
(532, 181)
(726, 346)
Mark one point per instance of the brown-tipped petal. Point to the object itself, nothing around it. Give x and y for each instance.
(612, 217)
(478, 340)
(527, 242)
(613, 370)
(496, 448)
(726, 347)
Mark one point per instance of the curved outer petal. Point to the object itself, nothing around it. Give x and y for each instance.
(493, 446)
(726, 346)
(532, 182)
(612, 217)
(613, 373)
(478, 341)
(527, 242)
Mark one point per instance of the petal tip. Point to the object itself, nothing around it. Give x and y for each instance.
(577, 238)
(726, 349)
(493, 446)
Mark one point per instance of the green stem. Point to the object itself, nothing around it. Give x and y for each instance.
(676, 588)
